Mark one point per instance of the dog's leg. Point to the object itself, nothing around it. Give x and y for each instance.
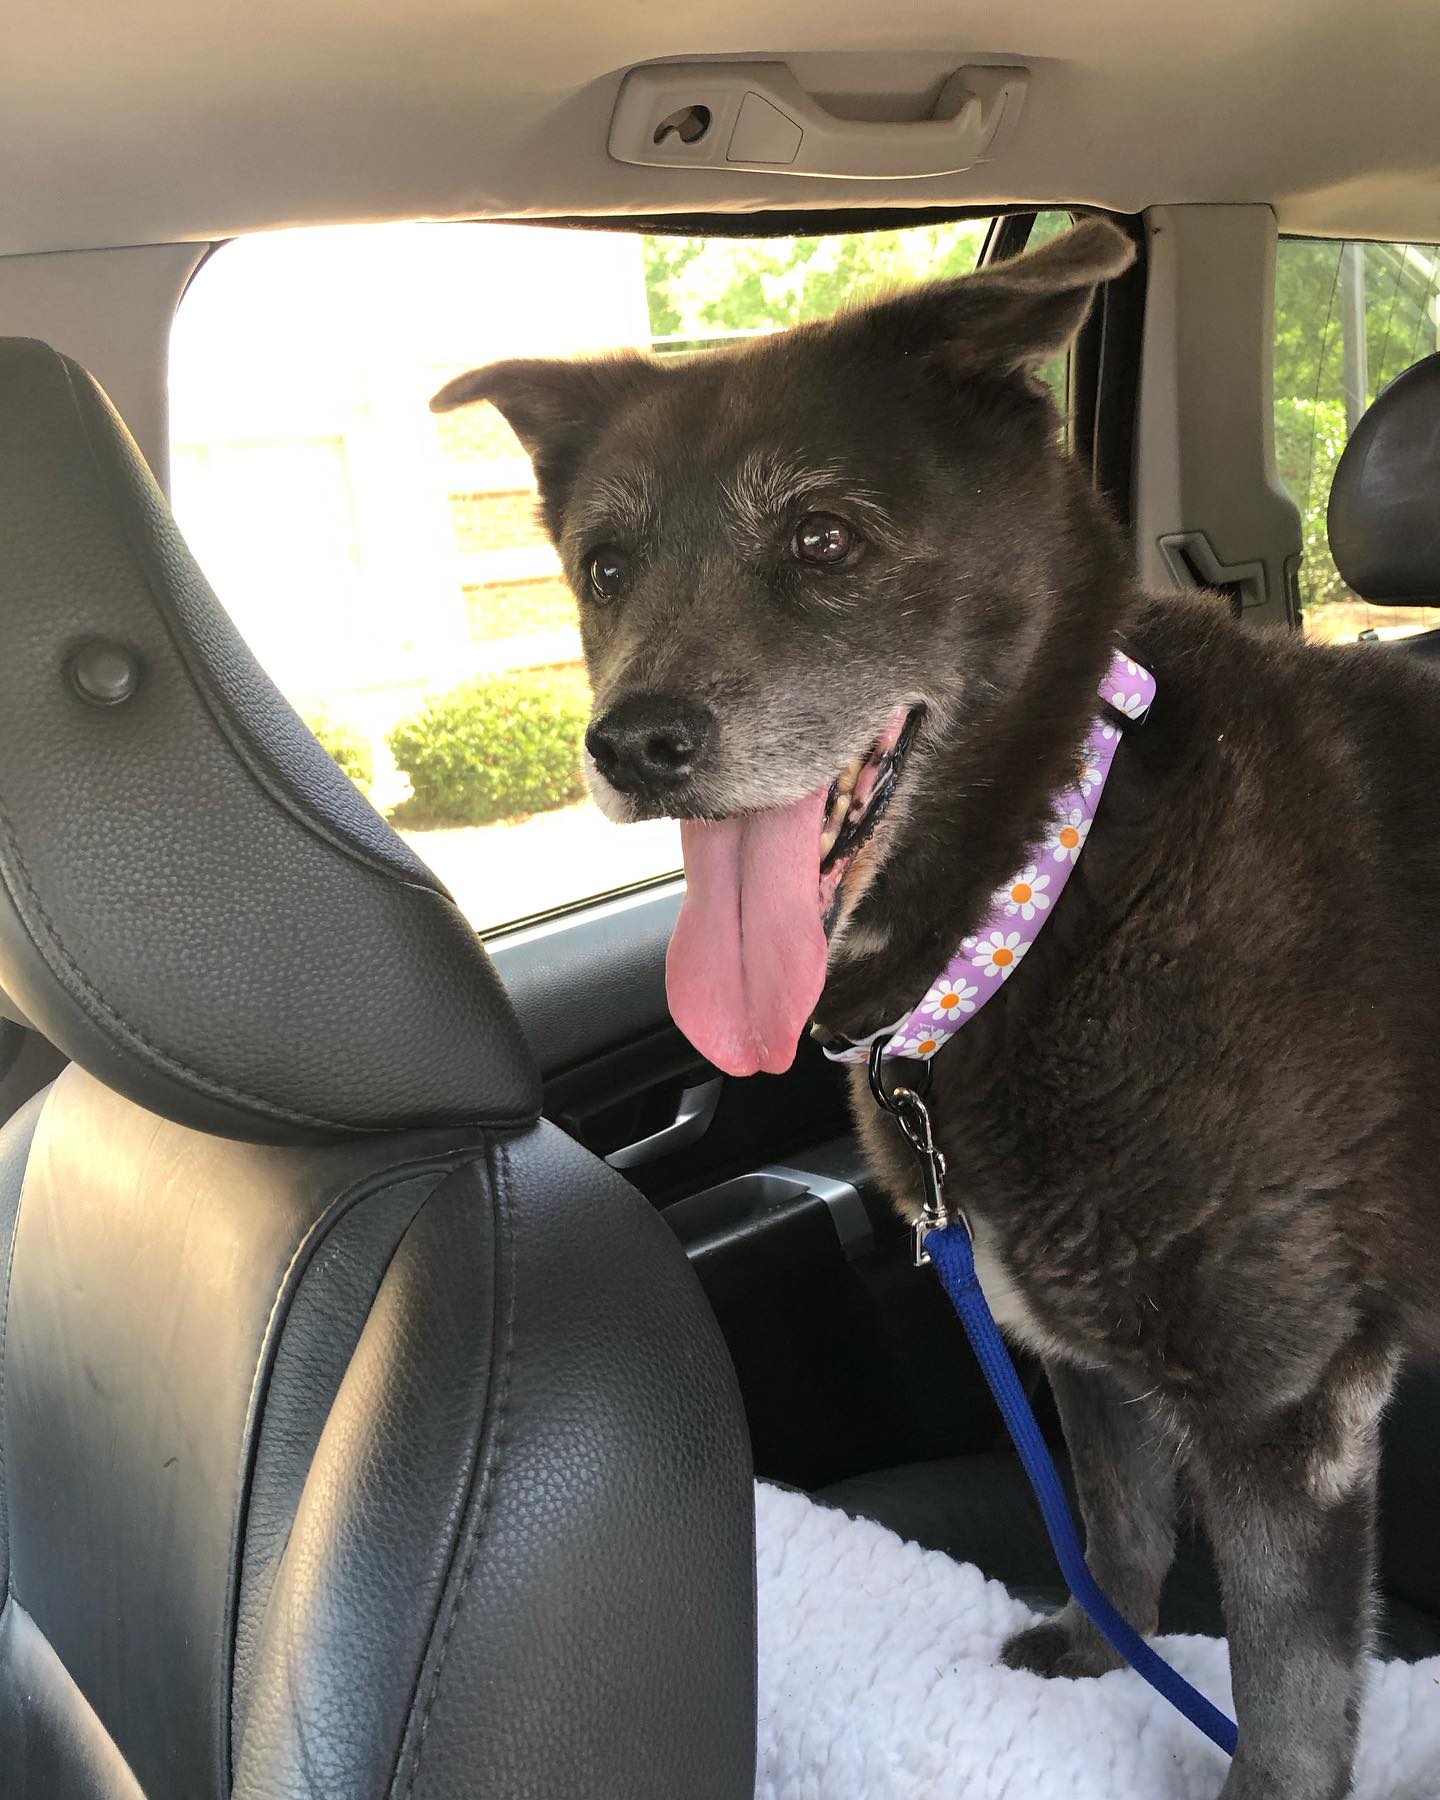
(1290, 1509)
(1124, 1466)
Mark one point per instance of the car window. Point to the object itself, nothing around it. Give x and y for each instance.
(386, 564)
(1349, 318)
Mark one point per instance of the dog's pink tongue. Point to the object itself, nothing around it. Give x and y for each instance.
(747, 961)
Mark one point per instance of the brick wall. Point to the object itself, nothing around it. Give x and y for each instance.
(495, 521)
(491, 496)
(477, 434)
(518, 608)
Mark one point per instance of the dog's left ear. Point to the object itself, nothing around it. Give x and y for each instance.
(1014, 315)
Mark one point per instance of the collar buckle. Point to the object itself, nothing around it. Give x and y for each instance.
(912, 1115)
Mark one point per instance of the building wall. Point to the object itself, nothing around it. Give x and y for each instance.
(370, 550)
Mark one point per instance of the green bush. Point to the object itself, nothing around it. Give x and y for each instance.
(495, 748)
(349, 747)
(1309, 436)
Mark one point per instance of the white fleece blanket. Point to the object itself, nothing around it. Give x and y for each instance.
(879, 1680)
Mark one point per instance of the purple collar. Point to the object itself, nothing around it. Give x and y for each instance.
(1012, 922)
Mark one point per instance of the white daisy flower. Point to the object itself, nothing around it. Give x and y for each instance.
(1068, 835)
(949, 1000)
(1089, 778)
(920, 1045)
(1025, 895)
(1132, 705)
(999, 953)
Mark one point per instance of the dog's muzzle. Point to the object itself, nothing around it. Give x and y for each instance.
(650, 745)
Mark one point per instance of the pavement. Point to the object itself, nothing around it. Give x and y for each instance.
(507, 871)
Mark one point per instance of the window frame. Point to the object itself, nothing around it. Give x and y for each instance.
(1341, 318)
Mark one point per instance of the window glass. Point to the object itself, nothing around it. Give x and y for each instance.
(386, 564)
(1349, 318)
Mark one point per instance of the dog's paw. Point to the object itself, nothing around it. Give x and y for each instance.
(1055, 1648)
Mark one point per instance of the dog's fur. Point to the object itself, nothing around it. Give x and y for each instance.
(1197, 1132)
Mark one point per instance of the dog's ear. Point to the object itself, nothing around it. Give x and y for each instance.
(556, 409)
(1014, 315)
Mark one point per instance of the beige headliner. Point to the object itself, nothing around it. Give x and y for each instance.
(188, 119)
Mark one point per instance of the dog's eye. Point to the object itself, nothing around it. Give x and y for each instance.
(822, 538)
(609, 571)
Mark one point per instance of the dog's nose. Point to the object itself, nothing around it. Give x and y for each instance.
(649, 742)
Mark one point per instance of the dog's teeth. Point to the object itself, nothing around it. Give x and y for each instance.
(842, 805)
(849, 775)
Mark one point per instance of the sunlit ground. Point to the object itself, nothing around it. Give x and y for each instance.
(499, 873)
(1342, 621)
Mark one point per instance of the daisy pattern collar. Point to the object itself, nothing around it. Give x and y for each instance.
(1012, 921)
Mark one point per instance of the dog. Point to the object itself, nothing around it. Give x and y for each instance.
(1196, 1133)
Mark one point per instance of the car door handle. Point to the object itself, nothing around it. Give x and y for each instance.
(693, 1114)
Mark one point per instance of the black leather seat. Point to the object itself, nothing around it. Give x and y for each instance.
(361, 1435)
(1385, 498)
(1384, 524)
(27, 1063)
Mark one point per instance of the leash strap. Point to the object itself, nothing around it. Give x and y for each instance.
(943, 1236)
(953, 1255)
(944, 1239)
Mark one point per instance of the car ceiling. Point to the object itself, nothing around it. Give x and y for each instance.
(169, 120)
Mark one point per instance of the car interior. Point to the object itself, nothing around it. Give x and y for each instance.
(396, 1310)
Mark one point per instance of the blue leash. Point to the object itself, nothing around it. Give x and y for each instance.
(944, 1239)
(953, 1255)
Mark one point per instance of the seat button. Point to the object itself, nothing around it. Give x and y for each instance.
(104, 673)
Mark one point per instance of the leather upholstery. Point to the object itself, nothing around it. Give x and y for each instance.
(361, 1438)
(412, 1465)
(27, 1064)
(194, 903)
(1384, 498)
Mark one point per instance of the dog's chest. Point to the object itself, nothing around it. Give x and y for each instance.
(1045, 1251)
(1006, 1298)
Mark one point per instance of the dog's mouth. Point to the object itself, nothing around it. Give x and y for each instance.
(858, 798)
(763, 892)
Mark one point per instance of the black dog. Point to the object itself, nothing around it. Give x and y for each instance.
(1197, 1132)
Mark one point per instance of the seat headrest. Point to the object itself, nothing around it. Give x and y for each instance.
(1384, 517)
(195, 904)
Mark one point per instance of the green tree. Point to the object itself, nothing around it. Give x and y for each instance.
(1400, 284)
(1309, 436)
(703, 288)
(1310, 420)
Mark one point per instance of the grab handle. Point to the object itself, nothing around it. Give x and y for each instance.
(757, 117)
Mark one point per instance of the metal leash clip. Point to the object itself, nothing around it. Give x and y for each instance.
(912, 1115)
